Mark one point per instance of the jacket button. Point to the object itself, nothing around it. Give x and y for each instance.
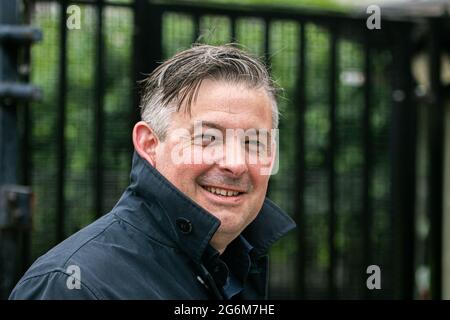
(184, 225)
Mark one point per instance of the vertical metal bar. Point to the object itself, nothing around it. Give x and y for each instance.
(366, 218)
(134, 112)
(233, 29)
(331, 161)
(196, 29)
(300, 161)
(26, 152)
(266, 48)
(435, 145)
(60, 125)
(267, 42)
(392, 152)
(98, 115)
(409, 113)
(8, 108)
(403, 141)
(147, 46)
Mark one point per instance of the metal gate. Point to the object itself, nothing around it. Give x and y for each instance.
(347, 144)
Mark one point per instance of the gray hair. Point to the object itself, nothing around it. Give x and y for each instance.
(178, 79)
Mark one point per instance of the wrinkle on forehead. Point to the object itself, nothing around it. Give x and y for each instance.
(233, 99)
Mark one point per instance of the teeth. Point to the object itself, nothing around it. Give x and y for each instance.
(222, 192)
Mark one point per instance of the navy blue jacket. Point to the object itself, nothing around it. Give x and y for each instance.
(152, 245)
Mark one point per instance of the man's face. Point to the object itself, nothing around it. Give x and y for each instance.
(204, 154)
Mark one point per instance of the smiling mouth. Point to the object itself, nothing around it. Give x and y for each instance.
(222, 192)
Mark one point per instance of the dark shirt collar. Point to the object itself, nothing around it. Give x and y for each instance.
(229, 270)
(236, 256)
(149, 185)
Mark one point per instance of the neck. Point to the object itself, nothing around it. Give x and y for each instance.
(220, 241)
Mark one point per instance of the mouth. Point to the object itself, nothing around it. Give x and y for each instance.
(222, 195)
(222, 192)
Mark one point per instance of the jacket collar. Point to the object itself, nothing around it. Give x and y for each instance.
(175, 207)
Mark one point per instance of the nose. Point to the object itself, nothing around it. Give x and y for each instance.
(234, 161)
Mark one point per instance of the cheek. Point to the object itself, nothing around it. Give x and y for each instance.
(260, 181)
(186, 176)
(182, 164)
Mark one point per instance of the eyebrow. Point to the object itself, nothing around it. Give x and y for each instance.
(210, 125)
(217, 126)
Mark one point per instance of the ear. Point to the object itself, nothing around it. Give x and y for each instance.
(145, 141)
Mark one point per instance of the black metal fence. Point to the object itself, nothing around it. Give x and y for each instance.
(15, 92)
(347, 145)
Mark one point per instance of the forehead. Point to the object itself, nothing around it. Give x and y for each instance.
(232, 105)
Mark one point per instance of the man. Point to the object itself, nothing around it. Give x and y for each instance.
(194, 222)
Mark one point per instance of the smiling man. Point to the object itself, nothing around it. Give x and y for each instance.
(195, 222)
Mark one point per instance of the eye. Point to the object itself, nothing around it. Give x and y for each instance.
(208, 138)
(254, 144)
(204, 139)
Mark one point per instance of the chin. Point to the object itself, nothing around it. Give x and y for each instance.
(230, 225)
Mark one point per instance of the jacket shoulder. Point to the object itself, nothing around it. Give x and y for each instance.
(50, 272)
(54, 285)
(115, 260)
